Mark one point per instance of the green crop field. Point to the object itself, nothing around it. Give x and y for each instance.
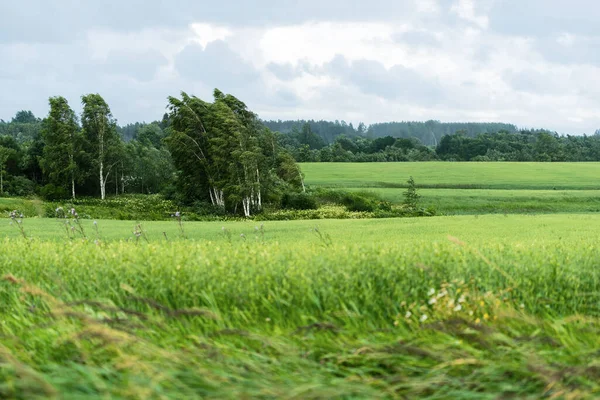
(468, 175)
(472, 188)
(443, 307)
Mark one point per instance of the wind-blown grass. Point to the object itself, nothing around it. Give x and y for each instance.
(373, 312)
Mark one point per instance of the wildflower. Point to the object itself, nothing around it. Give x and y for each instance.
(522, 305)
(268, 319)
(477, 321)
(461, 299)
(177, 214)
(95, 223)
(423, 318)
(396, 323)
(433, 300)
(408, 315)
(486, 316)
(458, 308)
(431, 292)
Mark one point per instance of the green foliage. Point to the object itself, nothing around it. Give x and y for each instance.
(63, 147)
(53, 192)
(355, 202)
(126, 207)
(411, 197)
(224, 155)
(104, 146)
(298, 201)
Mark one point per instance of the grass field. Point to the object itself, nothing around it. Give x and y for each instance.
(373, 309)
(456, 175)
(472, 188)
(474, 229)
(496, 306)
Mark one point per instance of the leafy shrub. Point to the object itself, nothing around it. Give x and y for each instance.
(298, 201)
(355, 202)
(411, 197)
(19, 186)
(202, 208)
(53, 192)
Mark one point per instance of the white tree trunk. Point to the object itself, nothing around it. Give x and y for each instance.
(258, 197)
(246, 205)
(212, 198)
(102, 182)
(216, 197)
(72, 174)
(301, 179)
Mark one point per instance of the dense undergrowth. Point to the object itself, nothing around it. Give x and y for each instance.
(317, 204)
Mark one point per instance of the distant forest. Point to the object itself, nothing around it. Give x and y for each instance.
(429, 133)
(326, 141)
(53, 156)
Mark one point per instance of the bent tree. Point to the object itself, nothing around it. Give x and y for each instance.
(222, 154)
(100, 130)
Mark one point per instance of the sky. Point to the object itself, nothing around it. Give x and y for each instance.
(534, 63)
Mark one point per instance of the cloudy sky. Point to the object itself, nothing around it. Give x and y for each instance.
(535, 63)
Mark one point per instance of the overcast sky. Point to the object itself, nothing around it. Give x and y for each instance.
(535, 63)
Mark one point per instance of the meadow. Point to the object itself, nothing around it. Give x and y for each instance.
(441, 307)
(456, 175)
(471, 188)
(503, 305)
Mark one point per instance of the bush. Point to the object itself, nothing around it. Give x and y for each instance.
(355, 202)
(19, 186)
(203, 208)
(52, 192)
(298, 201)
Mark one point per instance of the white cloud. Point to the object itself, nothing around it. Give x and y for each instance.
(465, 9)
(207, 33)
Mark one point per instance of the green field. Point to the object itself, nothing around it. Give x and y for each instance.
(472, 188)
(504, 307)
(456, 175)
(475, 229)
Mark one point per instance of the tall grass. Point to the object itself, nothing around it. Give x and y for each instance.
(269, 319)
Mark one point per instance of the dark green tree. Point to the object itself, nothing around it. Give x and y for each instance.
(63, 146)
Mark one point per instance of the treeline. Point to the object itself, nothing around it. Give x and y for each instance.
(524, 145)
(429, 133)
(221, 154)
(215, 153)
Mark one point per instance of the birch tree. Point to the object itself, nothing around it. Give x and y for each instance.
(99, 128)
